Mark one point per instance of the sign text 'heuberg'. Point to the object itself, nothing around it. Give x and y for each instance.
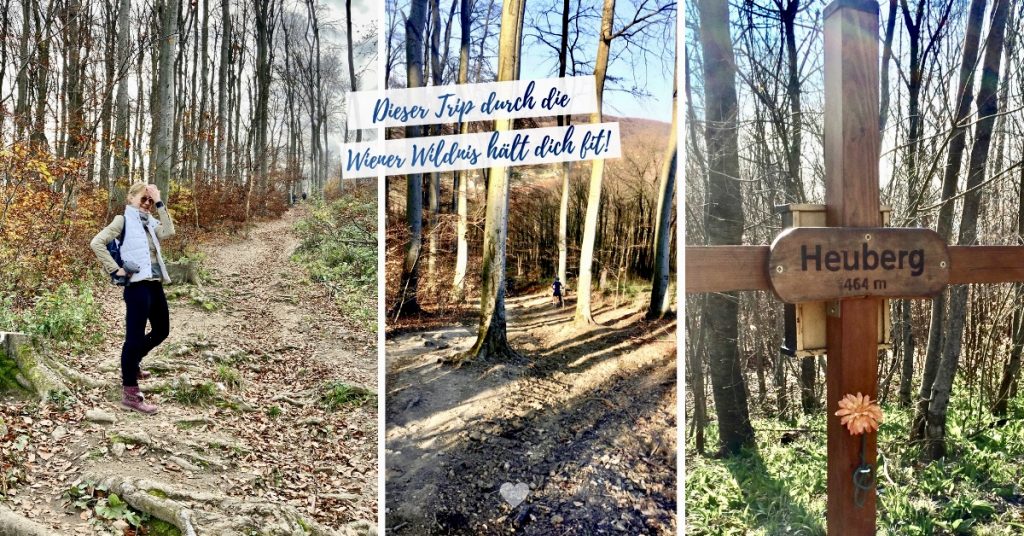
(823, 263)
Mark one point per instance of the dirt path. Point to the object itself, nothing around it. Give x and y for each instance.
(242, 419)
(586, 420)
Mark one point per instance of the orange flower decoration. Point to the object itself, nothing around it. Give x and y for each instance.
(859, 414)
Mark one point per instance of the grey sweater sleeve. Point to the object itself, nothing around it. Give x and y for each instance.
(166, 227)
(104, 237)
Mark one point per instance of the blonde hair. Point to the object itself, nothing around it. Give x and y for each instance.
(134, 190)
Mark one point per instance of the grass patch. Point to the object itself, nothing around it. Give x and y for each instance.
(274, 412)
(199, 394)
(340, 394)
(339, 250)
(195, 296)
(780, 489)
(229, 376)
(67, 317)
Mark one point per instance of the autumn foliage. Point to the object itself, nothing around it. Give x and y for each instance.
(49, 212)
(46, 221)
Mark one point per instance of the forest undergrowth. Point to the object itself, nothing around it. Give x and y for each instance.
(779, 488)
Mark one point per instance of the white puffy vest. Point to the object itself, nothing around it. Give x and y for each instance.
(136, 248)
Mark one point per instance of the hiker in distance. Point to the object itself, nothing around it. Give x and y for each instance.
(557, 296)
(129, 250)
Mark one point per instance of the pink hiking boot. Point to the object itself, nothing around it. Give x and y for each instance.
(133, 399)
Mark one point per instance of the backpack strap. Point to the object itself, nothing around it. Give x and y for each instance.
(124, 226)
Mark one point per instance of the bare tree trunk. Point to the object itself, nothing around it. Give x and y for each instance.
(140, 165)
(351, 55)
(954, 159)
(890, 26)
(163, 159)
(988, 107)
(660, 298)
(42, 76)
(695, 384)
(110, 69)
(205, 83)
(914, 25)
(583, 310)
(76, 113)
(563, 120)
(264, 21)
(462, 246)
(22, 113)
(408, 302)
(794, 149)
(121, 144)
(1012, 369)
(724, 223)
(5, 29)
(223, 86)
(434, 186)
(492, 339)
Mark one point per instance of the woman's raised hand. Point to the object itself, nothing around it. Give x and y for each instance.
(153, 192)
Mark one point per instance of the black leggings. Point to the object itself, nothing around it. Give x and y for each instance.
(143, 301)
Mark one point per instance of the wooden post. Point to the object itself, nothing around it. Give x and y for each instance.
(852, 144)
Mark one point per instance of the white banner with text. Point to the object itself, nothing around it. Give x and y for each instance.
(481, 150)
(471, 102)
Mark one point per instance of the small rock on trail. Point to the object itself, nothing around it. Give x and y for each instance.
(100, 417)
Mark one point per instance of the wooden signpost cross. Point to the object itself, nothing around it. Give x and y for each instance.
(853, 263)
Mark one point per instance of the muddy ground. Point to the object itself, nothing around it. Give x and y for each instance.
(586, 421)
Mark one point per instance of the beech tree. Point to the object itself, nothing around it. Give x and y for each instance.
(462, 246)
(660, 300)
(414, 181)
(644, 16)
(492, 339)
(724, 222)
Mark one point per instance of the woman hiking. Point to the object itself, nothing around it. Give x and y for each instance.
(145, 222)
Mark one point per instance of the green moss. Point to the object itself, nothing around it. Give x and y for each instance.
(118, 438)
(159, 527)
(157, 493)
(8, 370)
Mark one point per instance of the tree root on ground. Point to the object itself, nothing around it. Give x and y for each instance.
(147, 499)
(157, 444)
(77, 377)
(221, 515)
(13, 524)
(35, 371)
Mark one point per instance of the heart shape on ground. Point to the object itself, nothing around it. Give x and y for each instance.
(514, 495)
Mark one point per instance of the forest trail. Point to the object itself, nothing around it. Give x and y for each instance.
(244, 432)
(586, 420)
